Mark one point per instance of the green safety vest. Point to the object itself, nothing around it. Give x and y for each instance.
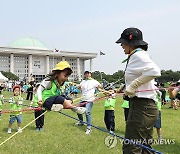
(14, 104)
(159, 106)
(109, 104)
(125, 104)
(158, 102)
(46, 93)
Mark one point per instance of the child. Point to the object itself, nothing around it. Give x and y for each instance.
(109, 116)
(1, 102)
(158, 122)
(49, 93)
(125, 105)
(16, 104)
(40, 120)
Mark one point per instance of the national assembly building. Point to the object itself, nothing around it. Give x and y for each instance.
(27, 57)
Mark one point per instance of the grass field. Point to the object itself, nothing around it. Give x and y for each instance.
(61, 136)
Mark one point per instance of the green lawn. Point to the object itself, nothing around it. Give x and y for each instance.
(61, 136)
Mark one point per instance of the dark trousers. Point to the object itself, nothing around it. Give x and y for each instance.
(40, 120)
(29, 95)
(126, 112)
(55, 100)
(109, 120)
(139, 126)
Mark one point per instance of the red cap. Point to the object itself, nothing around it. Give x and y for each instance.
(16, 86)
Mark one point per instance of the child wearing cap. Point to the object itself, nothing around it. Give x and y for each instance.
(16, 104)
(109, 106)
(49, 93)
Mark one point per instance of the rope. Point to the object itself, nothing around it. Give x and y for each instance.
(146, 90)
(23, 110)
(118, 136)
(23, 128)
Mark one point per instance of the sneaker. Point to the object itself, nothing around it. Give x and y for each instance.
(37, 129)
(19, 130)
(56, 107)
(111, 132)
(79, 123)
(9, 131)
(79, 110)
(88, 131)
(40, 129)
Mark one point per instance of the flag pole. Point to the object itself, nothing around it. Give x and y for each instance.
(100, 66)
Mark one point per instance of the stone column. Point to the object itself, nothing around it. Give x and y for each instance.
(63, 58)
(78, 69)
(47, 64)
(91, 63)
(29, 67)
(12, 63)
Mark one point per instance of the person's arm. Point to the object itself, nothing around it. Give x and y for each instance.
(99, 87)
(44, 85)
(130, 90)
(173, 92)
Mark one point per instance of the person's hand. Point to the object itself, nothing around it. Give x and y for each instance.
(40, 102)
(120, 90)
(170, 89)
(129, 91)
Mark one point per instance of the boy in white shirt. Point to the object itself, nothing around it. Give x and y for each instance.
(88, 87)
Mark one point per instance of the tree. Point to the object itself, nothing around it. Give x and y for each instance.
(169, 75)
(166, 76)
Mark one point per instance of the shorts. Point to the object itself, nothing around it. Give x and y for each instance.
(15, 117)
(54, 100)
(158, 122)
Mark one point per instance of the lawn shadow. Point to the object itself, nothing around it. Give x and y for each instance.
(120, 132)
(31, 127)
(82, 128)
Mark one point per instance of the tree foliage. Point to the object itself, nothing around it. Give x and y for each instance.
(166, 76)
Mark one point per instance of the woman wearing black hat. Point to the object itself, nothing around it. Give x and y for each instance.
(139, 74)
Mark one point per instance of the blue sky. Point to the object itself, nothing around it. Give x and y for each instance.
(91, 26)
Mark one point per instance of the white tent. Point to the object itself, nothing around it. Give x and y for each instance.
(3, 78)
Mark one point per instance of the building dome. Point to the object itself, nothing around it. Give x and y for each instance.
(28, 43)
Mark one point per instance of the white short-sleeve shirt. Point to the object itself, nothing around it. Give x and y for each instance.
(88, 88)
(139, 64)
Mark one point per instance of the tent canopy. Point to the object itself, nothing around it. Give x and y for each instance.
(3, 78)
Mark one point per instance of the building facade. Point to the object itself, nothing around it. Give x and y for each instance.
(29, 57)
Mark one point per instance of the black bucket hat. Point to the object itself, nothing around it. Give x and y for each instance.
(132, 36)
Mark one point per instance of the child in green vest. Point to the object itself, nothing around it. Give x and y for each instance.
(16, 104)
(49, 93)
(37, 113)
(125, 106)
(1, 102)
(109, 105)
(158, 122)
